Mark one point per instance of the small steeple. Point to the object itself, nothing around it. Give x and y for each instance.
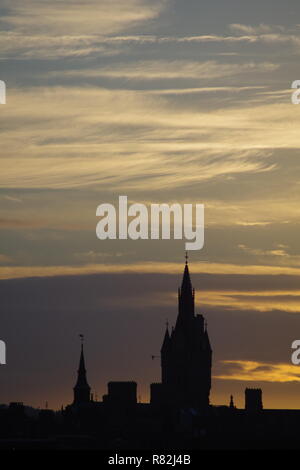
(82, 369)
(231, 404)
(82, 389)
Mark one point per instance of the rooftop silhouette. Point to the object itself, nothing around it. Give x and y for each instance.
(178, 416)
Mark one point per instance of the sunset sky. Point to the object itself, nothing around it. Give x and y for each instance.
(163, 101)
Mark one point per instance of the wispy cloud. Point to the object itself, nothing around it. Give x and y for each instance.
(259, 29)
(75, 137)
(69, 28)
(38, 46)
(14, 272)
(259, 371)
(260, 301)
(13, 199)
(78, 16)
(162, 69)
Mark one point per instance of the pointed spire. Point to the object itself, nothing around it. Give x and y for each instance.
(82, 388)
(186, 298)
(186, 280)
(81, 369)
(231, 405)
(81, 380)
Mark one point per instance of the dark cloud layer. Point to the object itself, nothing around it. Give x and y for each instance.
(123, 318)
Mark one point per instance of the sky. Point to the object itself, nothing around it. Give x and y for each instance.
(163, 101)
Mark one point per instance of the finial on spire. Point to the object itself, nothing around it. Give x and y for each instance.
(81, 336)
(186, 258)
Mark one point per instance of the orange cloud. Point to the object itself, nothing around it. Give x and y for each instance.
(259, 371)
(8, 272)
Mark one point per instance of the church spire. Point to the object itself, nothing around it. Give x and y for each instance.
(186, 280)
(82, 389)
(186, 294)
(82, 369)
(186, 354)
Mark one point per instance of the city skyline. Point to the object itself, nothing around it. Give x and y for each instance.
(164, 102)
(237, 384)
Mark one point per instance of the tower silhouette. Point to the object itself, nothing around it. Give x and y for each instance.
(82, 390)
(186, 354)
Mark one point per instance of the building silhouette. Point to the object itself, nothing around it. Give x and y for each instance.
(179, 415)
(186, 356)
(253, 399)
